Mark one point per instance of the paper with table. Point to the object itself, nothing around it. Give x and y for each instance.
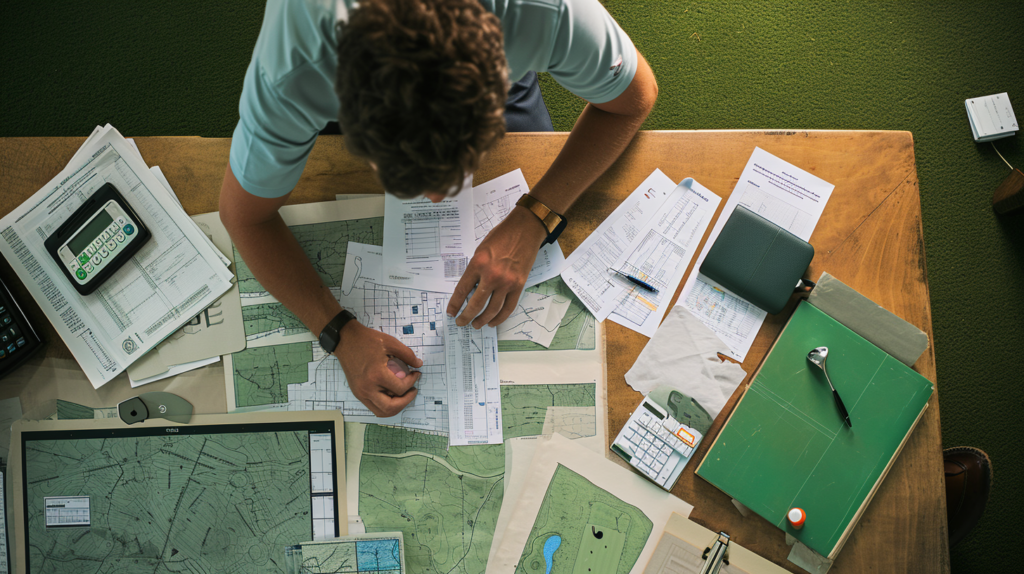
(216, 331)
(653, 236)
(284, 368)
(174, 277)
(492, 202)
(428, 245)
(781, 193)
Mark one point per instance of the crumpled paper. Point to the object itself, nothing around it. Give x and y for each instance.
(683, 354)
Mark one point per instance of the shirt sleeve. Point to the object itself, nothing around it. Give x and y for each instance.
(577, 42)
(287, 98)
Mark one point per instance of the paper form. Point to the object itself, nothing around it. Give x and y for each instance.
(460, 364)
(781, 193)
(428, 245)
(651, 236)
(660, 254)
(216, 331)
(492, 202)
(171, 279)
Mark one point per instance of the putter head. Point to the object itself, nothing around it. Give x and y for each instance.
(818, 356)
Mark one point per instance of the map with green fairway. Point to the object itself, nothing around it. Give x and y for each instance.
(595, 532)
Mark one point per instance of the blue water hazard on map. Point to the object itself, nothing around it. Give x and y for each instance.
(550, 545)
(374, 555)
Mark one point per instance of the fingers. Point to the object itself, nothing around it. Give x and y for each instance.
(476, 304)
(389, 383)
(462, 290)
(385, 406)
(493, 308)
(508, 308)
(397, 349)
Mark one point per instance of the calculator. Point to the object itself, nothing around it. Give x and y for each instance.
(18, 340)
(660, 436)
(100, 236)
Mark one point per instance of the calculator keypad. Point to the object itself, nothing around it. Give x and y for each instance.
(93, 258)
(651, 446)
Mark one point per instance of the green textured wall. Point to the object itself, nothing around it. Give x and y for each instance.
(175, 68)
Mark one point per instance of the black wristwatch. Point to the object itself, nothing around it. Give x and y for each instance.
(555, 223)
(332, 332)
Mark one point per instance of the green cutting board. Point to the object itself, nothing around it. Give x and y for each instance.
(786, 446)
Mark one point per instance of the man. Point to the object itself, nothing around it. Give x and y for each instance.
(421, 88)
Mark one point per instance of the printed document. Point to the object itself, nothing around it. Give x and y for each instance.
(459, 361)
(588, 269)
(284, 368)
(652, 236)
(781, 193)
(660, 254)
(171, 279)
(428, 245)
(492, 202)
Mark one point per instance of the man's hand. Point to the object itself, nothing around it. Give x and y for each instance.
(498, 270)
(363, 354)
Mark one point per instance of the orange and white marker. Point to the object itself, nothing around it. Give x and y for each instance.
(796, 517)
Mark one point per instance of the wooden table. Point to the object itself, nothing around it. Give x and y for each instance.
(869, 237)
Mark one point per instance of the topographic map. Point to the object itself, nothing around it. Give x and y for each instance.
(446, 501)
(283, 368)
(567, 408)
(577, 330)
(583, 528)
(179, 503)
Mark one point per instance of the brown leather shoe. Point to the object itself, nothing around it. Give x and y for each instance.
(968, 481)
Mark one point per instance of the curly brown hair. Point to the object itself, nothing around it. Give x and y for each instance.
(422, 85)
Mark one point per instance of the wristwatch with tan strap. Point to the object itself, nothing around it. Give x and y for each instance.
(555, 223)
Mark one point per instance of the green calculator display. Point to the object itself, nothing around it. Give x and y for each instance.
(102, 235)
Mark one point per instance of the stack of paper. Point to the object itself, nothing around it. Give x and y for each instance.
(429, 245)
(652, 236)
(173, 278)
(781, 193)
(991, 117)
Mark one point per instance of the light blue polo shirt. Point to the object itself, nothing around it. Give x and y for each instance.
(288, 95)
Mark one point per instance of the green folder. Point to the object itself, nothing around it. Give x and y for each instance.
(786, 446)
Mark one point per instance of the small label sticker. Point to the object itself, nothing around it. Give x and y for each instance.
(685, 436)
(66, 511)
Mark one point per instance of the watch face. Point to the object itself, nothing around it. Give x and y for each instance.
(328, 340)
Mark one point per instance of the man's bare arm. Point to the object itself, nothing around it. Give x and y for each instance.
(503, 260)
(275, 258)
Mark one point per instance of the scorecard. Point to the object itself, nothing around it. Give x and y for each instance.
(226, 493)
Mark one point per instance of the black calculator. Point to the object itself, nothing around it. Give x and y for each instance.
(98, 239)
(18, 340)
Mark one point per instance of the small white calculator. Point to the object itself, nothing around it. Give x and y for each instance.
(97, 239)
(660, 436)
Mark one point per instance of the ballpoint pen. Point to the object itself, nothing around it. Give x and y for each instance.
(817, 357)
(638, 282)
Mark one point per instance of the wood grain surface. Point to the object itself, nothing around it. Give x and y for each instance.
(869, 237)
